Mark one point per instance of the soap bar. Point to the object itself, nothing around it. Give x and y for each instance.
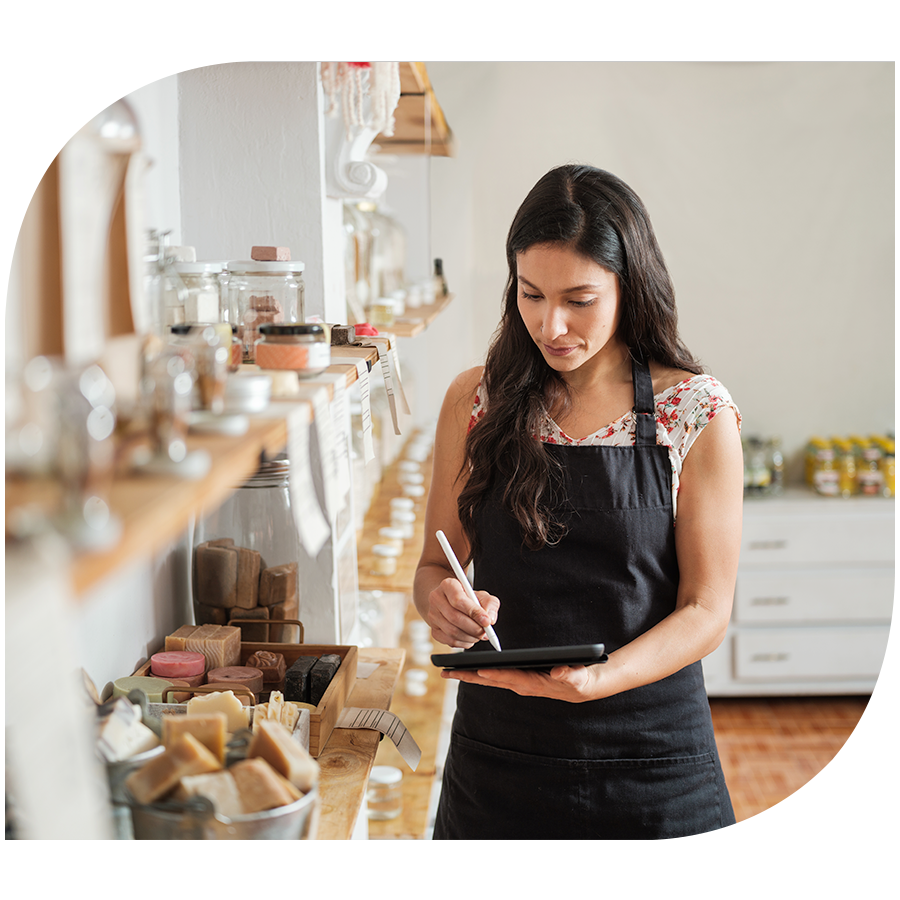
(283, 634)
(247, 578)
(256, 632)
(220, 701)
(220, 644)
(219, 788)
(152, 687)
(162, 773)
(212, 615)
(296, 679)
(271, 254)
(224, 686)
(177, 664)
(321, 674)
(261, 787)
(123, 734)
(278, 584)
(244, 676)
(176, 640)
(273, 743)
(217, 576)
(272, 665)
(209, 729)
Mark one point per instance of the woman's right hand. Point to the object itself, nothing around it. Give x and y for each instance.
(454, 619)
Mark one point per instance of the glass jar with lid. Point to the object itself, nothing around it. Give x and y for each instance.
(202, 301)
(257, 517)
(261, 293)
(301, 347)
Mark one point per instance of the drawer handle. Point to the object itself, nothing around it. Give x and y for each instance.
(770, 601)
(769, 657)
(768, 545)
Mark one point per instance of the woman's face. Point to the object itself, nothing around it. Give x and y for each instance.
(569, 304)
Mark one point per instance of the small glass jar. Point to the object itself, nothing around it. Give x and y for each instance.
(415, 682)
(213, 353)
(384, 797)
(381, 312)
(302, 348)
(261, 293)
(405, 521)
(384, 559)
(170, 385)
(391, 537)
(202, 302)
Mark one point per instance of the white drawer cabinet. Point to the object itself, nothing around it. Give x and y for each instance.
(813, 598)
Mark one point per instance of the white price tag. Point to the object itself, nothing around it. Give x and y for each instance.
(317, 395)
(311, 524)
(388, 724)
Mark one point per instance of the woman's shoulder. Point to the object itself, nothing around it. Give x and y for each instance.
(463, 396)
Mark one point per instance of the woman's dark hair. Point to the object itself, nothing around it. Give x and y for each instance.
(598, 215)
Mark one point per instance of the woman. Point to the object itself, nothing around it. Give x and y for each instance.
(557, 469)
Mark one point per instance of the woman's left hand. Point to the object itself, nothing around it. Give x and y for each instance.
(574, 684)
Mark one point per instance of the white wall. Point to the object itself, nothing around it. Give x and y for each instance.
(771, 187)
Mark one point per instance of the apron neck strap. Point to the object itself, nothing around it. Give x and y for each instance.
(644, 406)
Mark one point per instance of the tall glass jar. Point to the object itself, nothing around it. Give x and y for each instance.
(201, 281)
(262, 293)
(258, 517)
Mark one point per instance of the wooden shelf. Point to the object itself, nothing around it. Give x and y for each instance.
(347, 759)
(419, 123)
(154, 510)
(421, 715)
(415, 321)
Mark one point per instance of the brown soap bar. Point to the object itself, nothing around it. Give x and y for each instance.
(177, 639)
(271, 254)
(281, 634)
(223, 647)
(260, 786)
(247, 578)
(296, 679)
(243, 676)
(156, 778)
(208, 728)
(278, 584)
(321, 674)
(212, 615)
(273, 743)
(217, 576)
(253, 632)
(272, 665)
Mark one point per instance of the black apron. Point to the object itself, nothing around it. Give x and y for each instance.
(640, 764)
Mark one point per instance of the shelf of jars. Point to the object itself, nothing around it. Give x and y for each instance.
(153, 509)
(415, 321)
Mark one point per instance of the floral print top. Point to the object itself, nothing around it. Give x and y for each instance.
(682, 411)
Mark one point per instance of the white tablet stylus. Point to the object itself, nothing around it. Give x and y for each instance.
(458, 572)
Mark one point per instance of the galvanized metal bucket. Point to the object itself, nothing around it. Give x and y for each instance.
(198, 822)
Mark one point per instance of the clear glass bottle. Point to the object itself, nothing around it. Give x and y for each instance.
(262, 293)
(259, 516)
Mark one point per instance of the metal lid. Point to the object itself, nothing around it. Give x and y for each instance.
(385, 775)
(292, 328)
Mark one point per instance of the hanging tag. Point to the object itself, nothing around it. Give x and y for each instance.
(317, 395)
(340, 419)
(311, 524)
(395, 360)
(388, 724)
(387, 372)
(362, 371)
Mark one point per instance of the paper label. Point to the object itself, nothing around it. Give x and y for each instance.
(387, 371)
(362, 371)
(388, 724)
(317, 395)
(311, 524)
(340, 418)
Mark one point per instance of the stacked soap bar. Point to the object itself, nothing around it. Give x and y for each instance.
(308, 678)
(233, 582)
(219, 644)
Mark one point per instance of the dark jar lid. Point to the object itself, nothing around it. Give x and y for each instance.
(295, 328)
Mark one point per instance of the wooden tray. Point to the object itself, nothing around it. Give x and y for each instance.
(322, 721)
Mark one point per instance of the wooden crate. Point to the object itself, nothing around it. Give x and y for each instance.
(322, 721)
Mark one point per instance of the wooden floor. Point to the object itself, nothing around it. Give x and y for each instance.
(770, 747)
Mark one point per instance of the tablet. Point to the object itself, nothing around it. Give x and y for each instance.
(532, 658)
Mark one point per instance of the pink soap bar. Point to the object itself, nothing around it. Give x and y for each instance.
(177, 664)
